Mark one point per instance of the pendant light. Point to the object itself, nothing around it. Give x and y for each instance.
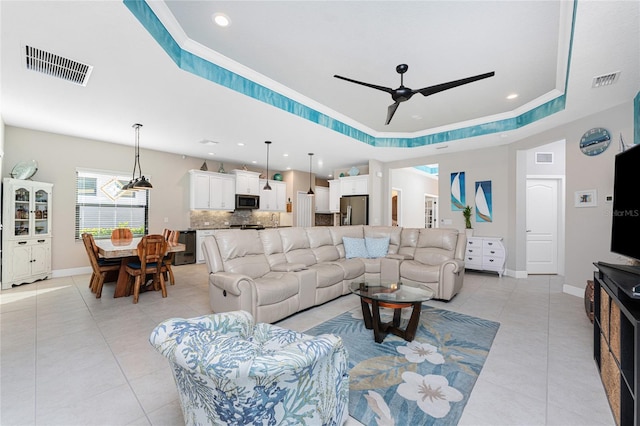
(310, 192)
(266, 186)
(140, 182)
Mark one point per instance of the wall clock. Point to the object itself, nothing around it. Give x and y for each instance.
(595, 141)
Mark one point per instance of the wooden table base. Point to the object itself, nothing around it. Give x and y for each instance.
(371, 313)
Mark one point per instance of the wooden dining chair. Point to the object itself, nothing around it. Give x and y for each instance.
(171, 237)
(121, 234)
(99, 266)
(151, 251)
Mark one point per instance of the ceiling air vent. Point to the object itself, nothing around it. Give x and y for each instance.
(544, 157)
(605, 80)
(57, 66)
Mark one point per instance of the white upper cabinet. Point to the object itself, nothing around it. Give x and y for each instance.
(212, 191)
(322, 199)
(247, 183)
(354, 185)
(274, 200)
(334, 196)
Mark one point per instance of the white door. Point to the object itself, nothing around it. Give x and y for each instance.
(542, 226)
(304, 209)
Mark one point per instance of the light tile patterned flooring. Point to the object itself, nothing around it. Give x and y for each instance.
(67, 358)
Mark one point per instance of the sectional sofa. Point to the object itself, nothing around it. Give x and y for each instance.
(274, 273)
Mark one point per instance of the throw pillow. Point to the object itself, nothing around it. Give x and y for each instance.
(354, 247)
(377, 247)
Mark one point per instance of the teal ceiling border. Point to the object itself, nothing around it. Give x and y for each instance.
(216, 74)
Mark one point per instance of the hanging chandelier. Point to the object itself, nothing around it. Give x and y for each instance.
(267, 187)
(140, 182)
(310, 192)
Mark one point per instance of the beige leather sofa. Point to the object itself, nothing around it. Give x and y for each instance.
(274, 273)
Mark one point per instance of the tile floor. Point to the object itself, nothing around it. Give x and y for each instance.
(67, 358)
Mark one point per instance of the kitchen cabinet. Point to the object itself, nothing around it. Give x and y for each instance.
(354, 185)
(322, 199)
(27, 231)
(247, 183)
(274, 200)
(211, 191)
(334, 196)
(200, 236)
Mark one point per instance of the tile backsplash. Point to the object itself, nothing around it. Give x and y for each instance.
(204, 219)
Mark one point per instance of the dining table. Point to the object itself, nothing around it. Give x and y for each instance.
(126, 250)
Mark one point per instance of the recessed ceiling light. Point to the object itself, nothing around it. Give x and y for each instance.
(212, 153)
(285, 155)
(240, 144)
(329, 175)
(221, 20)
(254, 162)
(288, 168)
(512, 96)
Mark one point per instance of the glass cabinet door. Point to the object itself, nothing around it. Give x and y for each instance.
(41, 212)
(22, 197)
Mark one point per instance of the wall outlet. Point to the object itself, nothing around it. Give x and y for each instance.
(258, 223)
(206, 223)
(166, 220)
(226, 223)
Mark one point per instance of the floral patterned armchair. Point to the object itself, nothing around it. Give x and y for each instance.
(231, 371)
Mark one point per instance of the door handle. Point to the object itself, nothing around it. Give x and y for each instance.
(528, 230)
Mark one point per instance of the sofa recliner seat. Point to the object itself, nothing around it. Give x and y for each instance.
(274, 273)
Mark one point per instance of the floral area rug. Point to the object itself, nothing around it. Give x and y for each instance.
(424, 382)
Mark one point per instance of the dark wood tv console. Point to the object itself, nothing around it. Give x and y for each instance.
(616, 341)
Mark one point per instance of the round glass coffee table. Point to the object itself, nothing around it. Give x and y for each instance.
(395, 295)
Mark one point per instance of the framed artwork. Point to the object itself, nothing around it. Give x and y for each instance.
(484, 201)
(587, 198)
(458, 198)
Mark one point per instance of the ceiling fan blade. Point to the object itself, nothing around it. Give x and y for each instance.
(373, 86)
(450, 85)
(391, 110)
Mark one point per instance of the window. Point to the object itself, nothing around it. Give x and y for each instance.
(102, 206)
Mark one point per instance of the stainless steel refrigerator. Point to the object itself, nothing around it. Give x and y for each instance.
(354, 210)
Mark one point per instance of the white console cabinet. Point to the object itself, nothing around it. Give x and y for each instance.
(485, 254)
(26, 236)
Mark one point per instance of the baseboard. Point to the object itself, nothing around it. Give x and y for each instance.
(73, 271)
(572, 290)
(515, 274)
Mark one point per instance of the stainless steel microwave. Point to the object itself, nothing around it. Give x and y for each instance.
(247, 202)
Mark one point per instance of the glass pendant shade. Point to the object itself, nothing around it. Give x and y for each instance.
(267, 187)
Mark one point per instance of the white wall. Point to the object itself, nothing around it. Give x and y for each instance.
(587, 229)
(414, 186)
(58, 157)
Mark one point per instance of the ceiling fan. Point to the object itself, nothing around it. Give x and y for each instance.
(402, 93)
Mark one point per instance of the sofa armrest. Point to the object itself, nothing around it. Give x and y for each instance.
(457, 264)
(229, 281)
(288, 267)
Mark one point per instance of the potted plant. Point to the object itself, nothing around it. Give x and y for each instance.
(466, 212)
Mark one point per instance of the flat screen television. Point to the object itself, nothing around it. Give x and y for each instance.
(625, 229)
